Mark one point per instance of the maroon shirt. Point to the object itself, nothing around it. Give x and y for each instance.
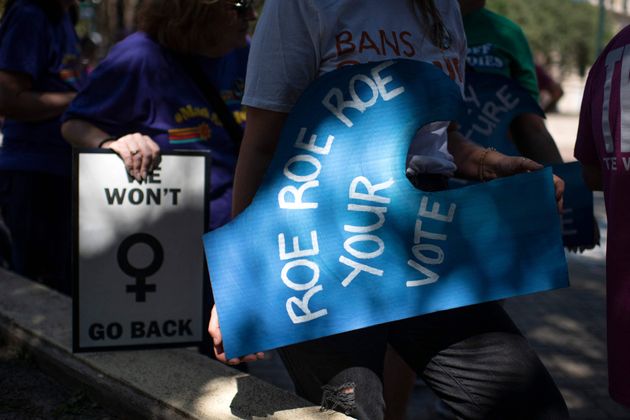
(604, 139)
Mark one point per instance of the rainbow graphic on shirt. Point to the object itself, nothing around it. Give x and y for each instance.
(70, 72)
(186, 135)
(69, 76)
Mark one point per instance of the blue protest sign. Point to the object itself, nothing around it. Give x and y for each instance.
(492, 102)
(578, 223)
(337, 238)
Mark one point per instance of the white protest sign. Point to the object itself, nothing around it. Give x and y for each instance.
(138, 256)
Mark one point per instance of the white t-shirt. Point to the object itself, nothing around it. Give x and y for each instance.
(298, 40)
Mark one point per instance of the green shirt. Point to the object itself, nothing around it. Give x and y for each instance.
(498, 45)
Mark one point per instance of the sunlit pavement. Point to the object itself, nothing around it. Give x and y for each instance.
(567, 327)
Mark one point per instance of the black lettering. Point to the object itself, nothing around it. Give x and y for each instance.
(96, 332)
(154, 177)
(175, 191)
(154, 329)
(114, 331)
(136, 196)
(154, 195)
(115, 195)
(137, 329)
(170, 328)
(184, 327)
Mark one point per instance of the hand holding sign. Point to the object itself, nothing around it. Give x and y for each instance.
(140, 154)
(337, 239)
(497, 165)
(217, 341)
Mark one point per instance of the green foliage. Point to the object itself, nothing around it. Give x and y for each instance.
(562, 32)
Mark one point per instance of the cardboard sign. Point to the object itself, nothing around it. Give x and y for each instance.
(139, 280)
(578, 222)
(337, 238)
(492, 102)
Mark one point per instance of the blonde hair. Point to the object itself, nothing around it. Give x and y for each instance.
(180, 25)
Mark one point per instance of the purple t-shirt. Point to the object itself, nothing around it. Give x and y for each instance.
(47, 50)
(604, 140)
(142, 87)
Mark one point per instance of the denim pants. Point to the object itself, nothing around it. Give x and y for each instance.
(473, 358)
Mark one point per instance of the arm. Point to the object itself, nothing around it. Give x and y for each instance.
(533, 140)
(550, 96)
(475, 162)
(257, 149)
(139, 152)
(19, 102)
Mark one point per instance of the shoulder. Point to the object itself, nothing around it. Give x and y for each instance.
(621, 39)
(137, 51)
(500, 23)
(27, 13)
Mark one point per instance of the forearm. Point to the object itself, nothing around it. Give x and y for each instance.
(467, 155)
(533, 140)
(262, 134)
(250, 170)
(81, 133)
(34, 106)
(19, 101)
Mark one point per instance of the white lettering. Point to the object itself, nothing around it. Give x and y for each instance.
(378, 211)
(435, 211)
(371, 190)
(300, 263)
(347, 245)
(302, 178)
(297, 194)
(357, 269)
(310, 144)
(382, 82)
(335, 103)
(297, 252)
(431, 276)
(303, 305)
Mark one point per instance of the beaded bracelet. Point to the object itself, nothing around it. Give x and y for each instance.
(105, 140)
(482, 161)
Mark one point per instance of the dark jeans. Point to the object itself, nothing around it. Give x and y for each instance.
(474, 359)
(37, 210)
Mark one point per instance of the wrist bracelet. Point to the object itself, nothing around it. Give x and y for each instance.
(482, 161)
(105, 140)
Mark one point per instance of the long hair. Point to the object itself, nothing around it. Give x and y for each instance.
(179, 25)
(434, 25)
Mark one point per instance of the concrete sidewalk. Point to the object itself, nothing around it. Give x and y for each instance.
(156, 384)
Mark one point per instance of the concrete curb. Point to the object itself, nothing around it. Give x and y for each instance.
(155, 384)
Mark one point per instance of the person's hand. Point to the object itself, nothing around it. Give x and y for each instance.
(596, 240)
(497, 165)
(140, 154)
(217, 342)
